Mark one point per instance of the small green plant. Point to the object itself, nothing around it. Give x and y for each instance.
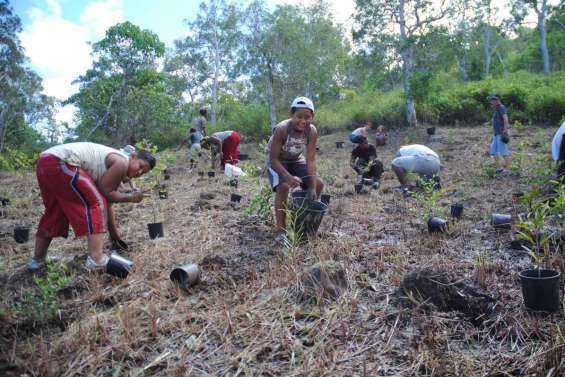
(516, 164)
(45, 300)
(428, 197)
(518, 126)
(250, 171)
(531, 231)
(260, 204)
(409, 137)
(294, 233)
(489, 171)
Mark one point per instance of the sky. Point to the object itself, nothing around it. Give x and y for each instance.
(56, 33)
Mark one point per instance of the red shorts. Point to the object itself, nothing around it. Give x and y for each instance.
(69, 196)
(229, 148)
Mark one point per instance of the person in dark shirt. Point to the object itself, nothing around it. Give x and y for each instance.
(364, 161)
(500, 138)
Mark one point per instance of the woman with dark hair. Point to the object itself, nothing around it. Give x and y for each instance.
(78, 183)
(292, 159)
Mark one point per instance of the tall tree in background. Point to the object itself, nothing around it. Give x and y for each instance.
(541, 8)
(21, 103)
(126, 60)
(259, 55)
(215, 35)
(411, 18)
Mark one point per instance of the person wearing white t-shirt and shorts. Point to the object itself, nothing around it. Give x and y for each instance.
(415, 158)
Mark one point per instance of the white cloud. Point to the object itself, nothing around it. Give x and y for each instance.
(101, 15)
(58, 48)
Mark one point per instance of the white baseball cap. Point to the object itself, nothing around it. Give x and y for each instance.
(302, 103)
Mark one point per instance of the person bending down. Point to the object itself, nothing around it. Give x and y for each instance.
(364, 161)
(78, 184)
(414, 158)
(293, 139)
(225, 144)
(369, 130)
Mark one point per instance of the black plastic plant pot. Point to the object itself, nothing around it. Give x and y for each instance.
(501, 221)
(235, 198)
(358, 188)
(166, 171)
(4, 201)
(118, 266)
(156, 230)
(325, 198)
(234, 182)
(21, 234)
(431, 131)
(437, 225)
(457, 210)
(367, 181)
(211, 174)
(201, 173)
(339, 144)
(186, 276)
(299, 193)
(540, 289)
(243, 157)
(163, 194)
(119, 245)
(309, 215)
(166, 177)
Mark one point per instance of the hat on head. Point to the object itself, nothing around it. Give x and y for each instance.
(494, 96)
(302, 103)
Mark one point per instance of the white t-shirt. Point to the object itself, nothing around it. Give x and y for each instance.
(556, 144)
(90, 157)
(222, 135)
(416, 150)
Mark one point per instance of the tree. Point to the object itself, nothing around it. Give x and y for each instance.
(411, 18)
(21, 103)
(126, 58)
(541, 8)
(214, 35)
(259, 53)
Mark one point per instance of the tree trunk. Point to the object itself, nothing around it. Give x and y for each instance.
(270, 97)
(407, 54)
(487, 50)
(463, 68)
(543, 38)
(215, 81)
(3, 127)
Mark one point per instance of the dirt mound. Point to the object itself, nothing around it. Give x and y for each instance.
(435, 288)
(322, 280)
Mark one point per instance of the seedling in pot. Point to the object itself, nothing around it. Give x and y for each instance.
(155, 228)
(431, 131)
(339, 144)
(540, 287)
(235, 198)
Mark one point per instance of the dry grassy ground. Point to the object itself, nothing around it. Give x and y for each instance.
(252, 315)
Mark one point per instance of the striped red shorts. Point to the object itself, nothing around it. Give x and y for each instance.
(69, 196)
